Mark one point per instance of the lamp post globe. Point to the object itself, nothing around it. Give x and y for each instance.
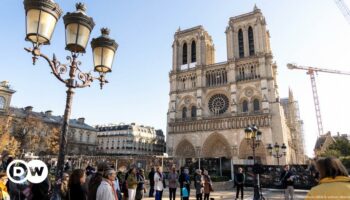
(78, 28)
(103, 49)
(41, 19)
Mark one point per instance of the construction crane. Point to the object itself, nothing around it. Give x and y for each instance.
(344, 9)
(311, 71)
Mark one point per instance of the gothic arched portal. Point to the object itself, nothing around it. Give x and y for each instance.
(185, 150)
(216, 146)
(246, 152)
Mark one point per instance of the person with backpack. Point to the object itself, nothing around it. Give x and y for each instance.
(287, 180)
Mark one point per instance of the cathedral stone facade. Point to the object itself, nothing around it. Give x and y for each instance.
(211, 103)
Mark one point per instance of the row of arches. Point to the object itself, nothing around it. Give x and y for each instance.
(249, 71)
(216, 77)
(192, 53)
(187, 82)
(216, 145)
(250, 42)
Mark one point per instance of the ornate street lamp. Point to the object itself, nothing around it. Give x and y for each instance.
(253, 137)
(275, 151)
(41, 19)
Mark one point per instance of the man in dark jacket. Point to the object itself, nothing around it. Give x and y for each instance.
(96, 180)
(287, 180)
(239, 182)
(151, 182)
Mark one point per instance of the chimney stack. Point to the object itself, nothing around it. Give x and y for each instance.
(48, 113)
(81, 120)
(28, 108)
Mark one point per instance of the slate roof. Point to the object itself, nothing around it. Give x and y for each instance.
(22, 113)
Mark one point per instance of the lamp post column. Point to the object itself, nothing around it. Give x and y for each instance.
(63, 139)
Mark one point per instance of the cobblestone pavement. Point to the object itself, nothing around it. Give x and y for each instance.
(229, 195)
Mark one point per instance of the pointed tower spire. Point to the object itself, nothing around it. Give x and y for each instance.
(291, 96)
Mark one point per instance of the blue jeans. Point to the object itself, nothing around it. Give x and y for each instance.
(159, 195)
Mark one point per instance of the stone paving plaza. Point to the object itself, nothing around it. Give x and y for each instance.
(230, 195)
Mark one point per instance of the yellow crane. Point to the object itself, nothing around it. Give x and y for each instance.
(311, 71)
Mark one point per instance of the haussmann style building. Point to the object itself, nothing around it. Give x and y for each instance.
(130, 140)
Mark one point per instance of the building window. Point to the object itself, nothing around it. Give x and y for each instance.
(184, 113)
(256, 105)
(194, 111)
(184, 54)
(193, 52)
(240, 43)
(251, 41)
(193, 81)
(2, 102)
(245, 106)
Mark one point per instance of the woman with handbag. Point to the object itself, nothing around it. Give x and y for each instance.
(207, 185)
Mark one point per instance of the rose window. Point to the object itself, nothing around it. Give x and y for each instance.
(218, 104)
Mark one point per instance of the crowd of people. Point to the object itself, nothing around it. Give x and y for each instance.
(105, 183)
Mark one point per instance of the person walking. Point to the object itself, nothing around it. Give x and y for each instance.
(334, 180)
(76, 185)
(172, 178)
(117, 186)
(106, 190)
(4, 195)
(198, 184)
(140, 190)
(151, 182)
(159, 183)
(185, 182)
(95, 180)
(207, 185)
(239, 182)
(64, 186)
(132, 184)
(287, 180)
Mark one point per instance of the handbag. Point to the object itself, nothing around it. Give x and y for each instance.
(184, 192)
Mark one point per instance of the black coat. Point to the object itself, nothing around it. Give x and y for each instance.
(77, 192)
(151, 178)
(284, 179)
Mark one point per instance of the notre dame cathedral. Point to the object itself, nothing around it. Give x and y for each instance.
(211, 103)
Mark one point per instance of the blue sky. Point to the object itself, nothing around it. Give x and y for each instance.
(312, 32)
